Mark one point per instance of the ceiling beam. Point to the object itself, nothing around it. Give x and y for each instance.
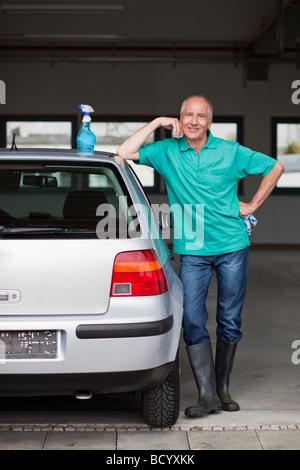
(265, 26)
(59, 8)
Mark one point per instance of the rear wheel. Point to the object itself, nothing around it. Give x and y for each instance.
(161, 405)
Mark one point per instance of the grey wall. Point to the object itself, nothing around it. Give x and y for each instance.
(154, 89)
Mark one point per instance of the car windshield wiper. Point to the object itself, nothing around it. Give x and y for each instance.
(40, 230)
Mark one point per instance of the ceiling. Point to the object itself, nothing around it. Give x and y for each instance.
(156, 30)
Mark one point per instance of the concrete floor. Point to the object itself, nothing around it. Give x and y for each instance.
(265, 382)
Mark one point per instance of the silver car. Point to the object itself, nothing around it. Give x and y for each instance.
(89, 301)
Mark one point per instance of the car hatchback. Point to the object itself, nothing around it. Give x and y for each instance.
(89, 301)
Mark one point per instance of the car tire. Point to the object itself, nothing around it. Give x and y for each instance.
(161, 405)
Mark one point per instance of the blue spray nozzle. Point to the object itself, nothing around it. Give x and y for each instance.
(86, 109)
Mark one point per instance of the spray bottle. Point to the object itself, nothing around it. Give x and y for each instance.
(86, 139)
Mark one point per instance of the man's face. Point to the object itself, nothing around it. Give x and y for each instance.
(195, 119)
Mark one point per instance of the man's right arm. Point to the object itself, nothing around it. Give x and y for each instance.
(129, 150)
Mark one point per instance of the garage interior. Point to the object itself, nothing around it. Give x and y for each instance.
(133, 61)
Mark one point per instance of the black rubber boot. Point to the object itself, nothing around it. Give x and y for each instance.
(201, 360)
(225, 353)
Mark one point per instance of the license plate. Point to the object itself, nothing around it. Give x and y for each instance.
(28, 344)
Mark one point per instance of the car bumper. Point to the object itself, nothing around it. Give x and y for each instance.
(14, 385)
(94, 357)
(124, 330)
(131, 347)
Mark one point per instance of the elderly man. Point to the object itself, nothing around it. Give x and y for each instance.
(202, 170)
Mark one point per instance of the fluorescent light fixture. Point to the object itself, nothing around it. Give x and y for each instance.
(62, 38)
(12, 8)
(73, 37)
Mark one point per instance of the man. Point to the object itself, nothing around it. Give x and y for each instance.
(200, 169)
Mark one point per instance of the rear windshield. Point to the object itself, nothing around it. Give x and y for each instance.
(63, 201)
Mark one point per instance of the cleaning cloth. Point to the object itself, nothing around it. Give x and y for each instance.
(249, 219)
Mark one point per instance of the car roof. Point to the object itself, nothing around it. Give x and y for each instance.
(57, 154)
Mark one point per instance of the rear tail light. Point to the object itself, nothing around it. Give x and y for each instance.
(138, 273)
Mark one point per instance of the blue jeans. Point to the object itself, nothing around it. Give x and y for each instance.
(195, 274)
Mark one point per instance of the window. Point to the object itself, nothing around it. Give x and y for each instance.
(286, 148)
(111, 133)
(56, 200)
(61, 132)
(39, 132)
(228, 130)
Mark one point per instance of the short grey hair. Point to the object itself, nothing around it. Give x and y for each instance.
(209, 102)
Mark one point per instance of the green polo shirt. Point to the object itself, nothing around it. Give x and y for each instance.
(202, 191)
